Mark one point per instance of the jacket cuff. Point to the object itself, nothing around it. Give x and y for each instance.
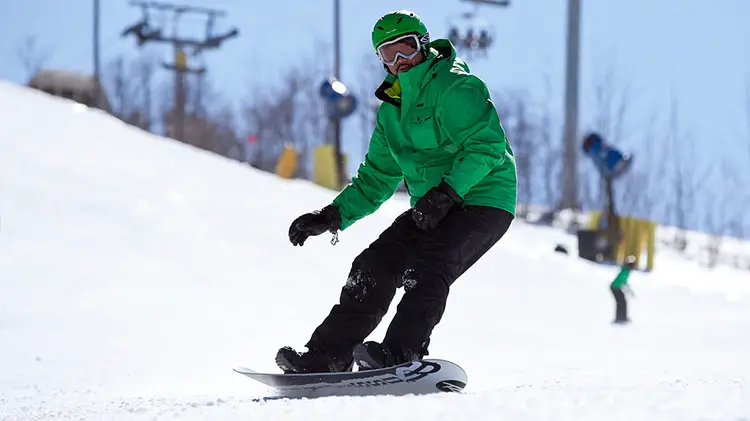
(333, 217)
(447, 189)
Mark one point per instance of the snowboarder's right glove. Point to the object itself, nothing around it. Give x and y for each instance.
(435, 204)
(314, 223)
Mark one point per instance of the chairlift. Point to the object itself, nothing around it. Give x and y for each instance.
(470, 32)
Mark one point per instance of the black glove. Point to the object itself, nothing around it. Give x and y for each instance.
(314, 223)
(434, 205)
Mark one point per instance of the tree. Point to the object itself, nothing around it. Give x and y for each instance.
(518, 121)
(31, 55)
(129, 83)
(548, 150)
(611, 100)
(144, 69)
(123, 92)
(723, 207)
(290, 112)
(687, 180)
(371, 74)
(209, 122)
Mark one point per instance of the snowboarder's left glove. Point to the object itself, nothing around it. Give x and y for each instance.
(434, 205)
(314, 223)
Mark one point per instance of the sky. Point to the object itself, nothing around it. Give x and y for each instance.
(695, 51)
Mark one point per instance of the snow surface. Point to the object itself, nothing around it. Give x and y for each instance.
(136, 271)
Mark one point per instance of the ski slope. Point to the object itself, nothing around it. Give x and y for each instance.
(135, 272)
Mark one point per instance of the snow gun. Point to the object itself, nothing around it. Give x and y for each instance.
(608, 160)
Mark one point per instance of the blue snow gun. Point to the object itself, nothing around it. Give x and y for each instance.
(340, 102)
(608, 160)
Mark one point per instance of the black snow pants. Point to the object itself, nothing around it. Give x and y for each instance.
(621, 305)
(425, 263)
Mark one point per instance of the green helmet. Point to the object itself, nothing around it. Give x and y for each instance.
(397, 23)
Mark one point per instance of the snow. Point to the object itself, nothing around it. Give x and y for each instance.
(136, 271)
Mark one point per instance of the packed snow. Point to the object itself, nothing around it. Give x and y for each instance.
(136, 272)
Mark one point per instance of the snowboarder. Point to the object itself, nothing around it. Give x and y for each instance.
(617, 285)
(438, 131)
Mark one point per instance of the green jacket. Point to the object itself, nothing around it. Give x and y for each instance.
(436, 122)
(622, 278)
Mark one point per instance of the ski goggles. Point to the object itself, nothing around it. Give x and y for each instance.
(406, 46)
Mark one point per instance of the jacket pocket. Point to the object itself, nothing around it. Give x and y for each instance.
(422, 128)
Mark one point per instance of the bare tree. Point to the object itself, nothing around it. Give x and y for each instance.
(548, 151)
(656, 172)
(209, 121)
(639, 192)
(682, 191)
(744, 226)
(291, 112)
(371, 74)
(727, 200)
(123, 90)
(720, 208)
(129, 83)
(227, 132)
(514, 111)
(144, 70)
(31, 55)
(687, 180)
(747, 113)
(612, 98)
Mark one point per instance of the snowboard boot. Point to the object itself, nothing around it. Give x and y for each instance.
(312, 361)
(621, 321)
(373, 355)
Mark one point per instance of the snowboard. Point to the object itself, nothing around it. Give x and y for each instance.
(415, 377)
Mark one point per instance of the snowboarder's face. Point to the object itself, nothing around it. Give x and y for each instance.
(403, 64)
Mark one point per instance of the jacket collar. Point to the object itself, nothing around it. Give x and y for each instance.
(390, 90)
